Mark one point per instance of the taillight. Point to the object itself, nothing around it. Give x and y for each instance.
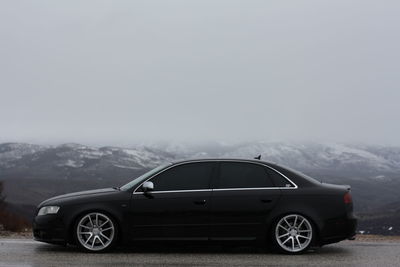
(347, 198)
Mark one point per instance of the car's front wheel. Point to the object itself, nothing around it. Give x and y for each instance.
(95, 232)
(293, 234)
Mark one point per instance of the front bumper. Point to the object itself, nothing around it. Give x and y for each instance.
(49, 229)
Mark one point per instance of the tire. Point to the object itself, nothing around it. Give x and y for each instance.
(95, 232)
(292, 234)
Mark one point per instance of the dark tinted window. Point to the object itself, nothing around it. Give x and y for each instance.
(278, 180)
(243, 175)
(184, 177)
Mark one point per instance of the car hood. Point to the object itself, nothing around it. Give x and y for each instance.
(78, 194)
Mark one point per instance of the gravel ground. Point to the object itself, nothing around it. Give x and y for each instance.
(26, 252)
(27, 234)
(375, 238)
(362, 238)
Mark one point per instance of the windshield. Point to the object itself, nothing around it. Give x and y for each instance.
(143, 177)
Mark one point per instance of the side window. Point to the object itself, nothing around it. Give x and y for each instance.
(243, 175)
(277, 179)
(190, 176)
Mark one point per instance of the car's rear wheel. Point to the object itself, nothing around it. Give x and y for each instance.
(96, 232)
(293, 233)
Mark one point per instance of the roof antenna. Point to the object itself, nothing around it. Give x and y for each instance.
(258, 157)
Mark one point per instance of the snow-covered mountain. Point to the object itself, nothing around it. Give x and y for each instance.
(75, 156)
(373, 161)
(80, 156)
(327, 158)
(11, 152)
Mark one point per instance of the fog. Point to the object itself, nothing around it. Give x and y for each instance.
(120, 72)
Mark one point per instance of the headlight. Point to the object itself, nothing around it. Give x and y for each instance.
(48, 210)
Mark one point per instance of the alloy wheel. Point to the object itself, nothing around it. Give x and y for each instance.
(95, 231)
(293, 233)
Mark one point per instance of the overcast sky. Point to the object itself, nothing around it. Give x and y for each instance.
(119, 72)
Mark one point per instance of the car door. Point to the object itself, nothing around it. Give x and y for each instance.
(177, 207)
(242, 197)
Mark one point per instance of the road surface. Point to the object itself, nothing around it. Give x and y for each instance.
(25, 252)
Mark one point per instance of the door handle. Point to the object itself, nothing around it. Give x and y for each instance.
(200, 202)
(266, 200)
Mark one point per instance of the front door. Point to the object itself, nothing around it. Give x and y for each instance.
(177, 208)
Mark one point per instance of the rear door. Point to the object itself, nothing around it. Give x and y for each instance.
(178, 206)
(243, 195)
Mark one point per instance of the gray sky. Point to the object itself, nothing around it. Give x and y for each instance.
(115, 72)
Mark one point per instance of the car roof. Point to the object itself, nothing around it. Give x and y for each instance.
(223, 159)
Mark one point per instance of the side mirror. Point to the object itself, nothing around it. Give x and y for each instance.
(148, 186)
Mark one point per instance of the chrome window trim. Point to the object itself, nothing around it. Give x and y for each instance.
(252, 188)
(176, 191)
(218, 189)
(294, 186)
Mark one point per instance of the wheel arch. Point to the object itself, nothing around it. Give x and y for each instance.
(308, 214)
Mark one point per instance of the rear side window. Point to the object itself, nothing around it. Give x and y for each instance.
(189, 176)
(278, 180)
(242, 175)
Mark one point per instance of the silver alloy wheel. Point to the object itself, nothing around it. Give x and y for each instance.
(95, 231)
(293, 233)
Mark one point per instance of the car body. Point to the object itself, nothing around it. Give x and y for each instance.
(203, 200)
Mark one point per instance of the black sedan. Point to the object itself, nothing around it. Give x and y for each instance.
(203, 200)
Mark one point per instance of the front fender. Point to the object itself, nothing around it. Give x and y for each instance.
(115, 207)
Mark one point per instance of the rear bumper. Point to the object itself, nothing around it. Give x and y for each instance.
(49, 229)
(339, 229)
